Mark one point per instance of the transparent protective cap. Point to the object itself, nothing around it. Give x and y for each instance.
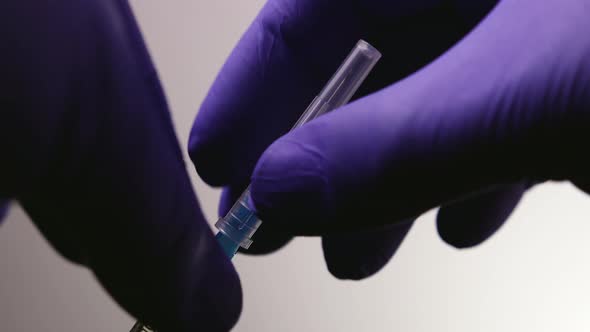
(344, 83)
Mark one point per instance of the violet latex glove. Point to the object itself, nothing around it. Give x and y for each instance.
(4, 207)
(471, 104)
(90, 153)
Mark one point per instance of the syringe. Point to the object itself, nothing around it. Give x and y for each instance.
(240, 223)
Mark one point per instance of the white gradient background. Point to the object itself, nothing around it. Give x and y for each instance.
(531, 276)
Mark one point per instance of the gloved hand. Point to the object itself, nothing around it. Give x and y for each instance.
(89, 151)
(4, 206)
(472, 103)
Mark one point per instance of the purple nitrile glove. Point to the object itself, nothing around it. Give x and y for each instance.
(90, 152)
(477, 101)
(4, 207)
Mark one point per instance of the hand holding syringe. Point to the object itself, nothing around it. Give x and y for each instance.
(240, 223)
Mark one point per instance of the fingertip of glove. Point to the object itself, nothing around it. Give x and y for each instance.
(208, 160)
(468, 223)
(458, 240)
(359, 255)
(290, 176)
(351, 266)
(224, 298)
(215, 303)
(4, 207)
(344, 265)
(352, 273)
(189, 287)
(465, 229)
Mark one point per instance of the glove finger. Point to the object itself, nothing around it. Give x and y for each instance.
(267, 238)
(359, 255)
(276, 70)
(471, 221)
(431, 138)
(237, 105)
(98, 167)
(4, 207)
(583, 183)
